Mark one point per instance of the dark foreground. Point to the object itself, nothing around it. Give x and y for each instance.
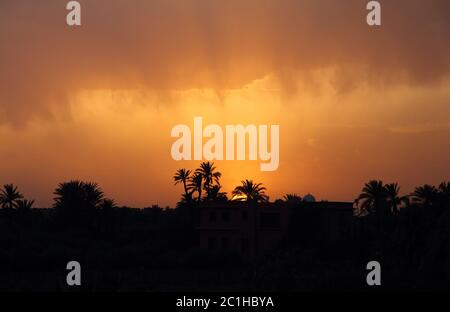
(159, 250)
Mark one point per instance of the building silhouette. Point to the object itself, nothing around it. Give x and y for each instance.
(255, 229)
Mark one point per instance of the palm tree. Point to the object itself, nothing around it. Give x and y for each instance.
(292, 198)
(9, 196)
(196, 184)
(77, 198)
(254, 192)
(216, 195)
(24, 205)
(186, 198)
(69, 195)
(425, 195)
(393, 198)
(209, 175)
(373, 198)
(107, 205)
(93, 195)
(182, 176)
(444, 187)
(444, 193)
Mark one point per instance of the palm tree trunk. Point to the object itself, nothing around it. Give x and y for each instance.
(185, 188)
(207, 190)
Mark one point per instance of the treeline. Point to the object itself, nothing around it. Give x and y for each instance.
(154, 248)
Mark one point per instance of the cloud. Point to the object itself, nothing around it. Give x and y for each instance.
(422, 128)
(164, 45)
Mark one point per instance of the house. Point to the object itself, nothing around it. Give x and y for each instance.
(254, 229)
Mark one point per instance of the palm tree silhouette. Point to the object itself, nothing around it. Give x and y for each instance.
(444, 194)
(107, 205)
(444, 187)
(292, 198)
(209, 175)
(9, 196)
(425, 195)
(24, 205)
(373, 198)
(254, 192)
(69, 194)
(196, 184)
(77, 198)
(93, 194)
(216, 195)
(393, 198)
(182, 176)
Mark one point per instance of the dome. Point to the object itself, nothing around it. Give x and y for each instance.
(309, 198)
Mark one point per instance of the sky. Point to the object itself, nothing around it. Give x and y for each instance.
(98, 102)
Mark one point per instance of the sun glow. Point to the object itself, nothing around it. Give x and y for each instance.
(122, 137)
(239, 198)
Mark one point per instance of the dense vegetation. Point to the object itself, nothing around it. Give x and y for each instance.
(156, 249)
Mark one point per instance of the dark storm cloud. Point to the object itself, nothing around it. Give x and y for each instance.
(170, 44)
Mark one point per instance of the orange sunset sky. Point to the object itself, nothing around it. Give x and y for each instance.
(97, 102)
